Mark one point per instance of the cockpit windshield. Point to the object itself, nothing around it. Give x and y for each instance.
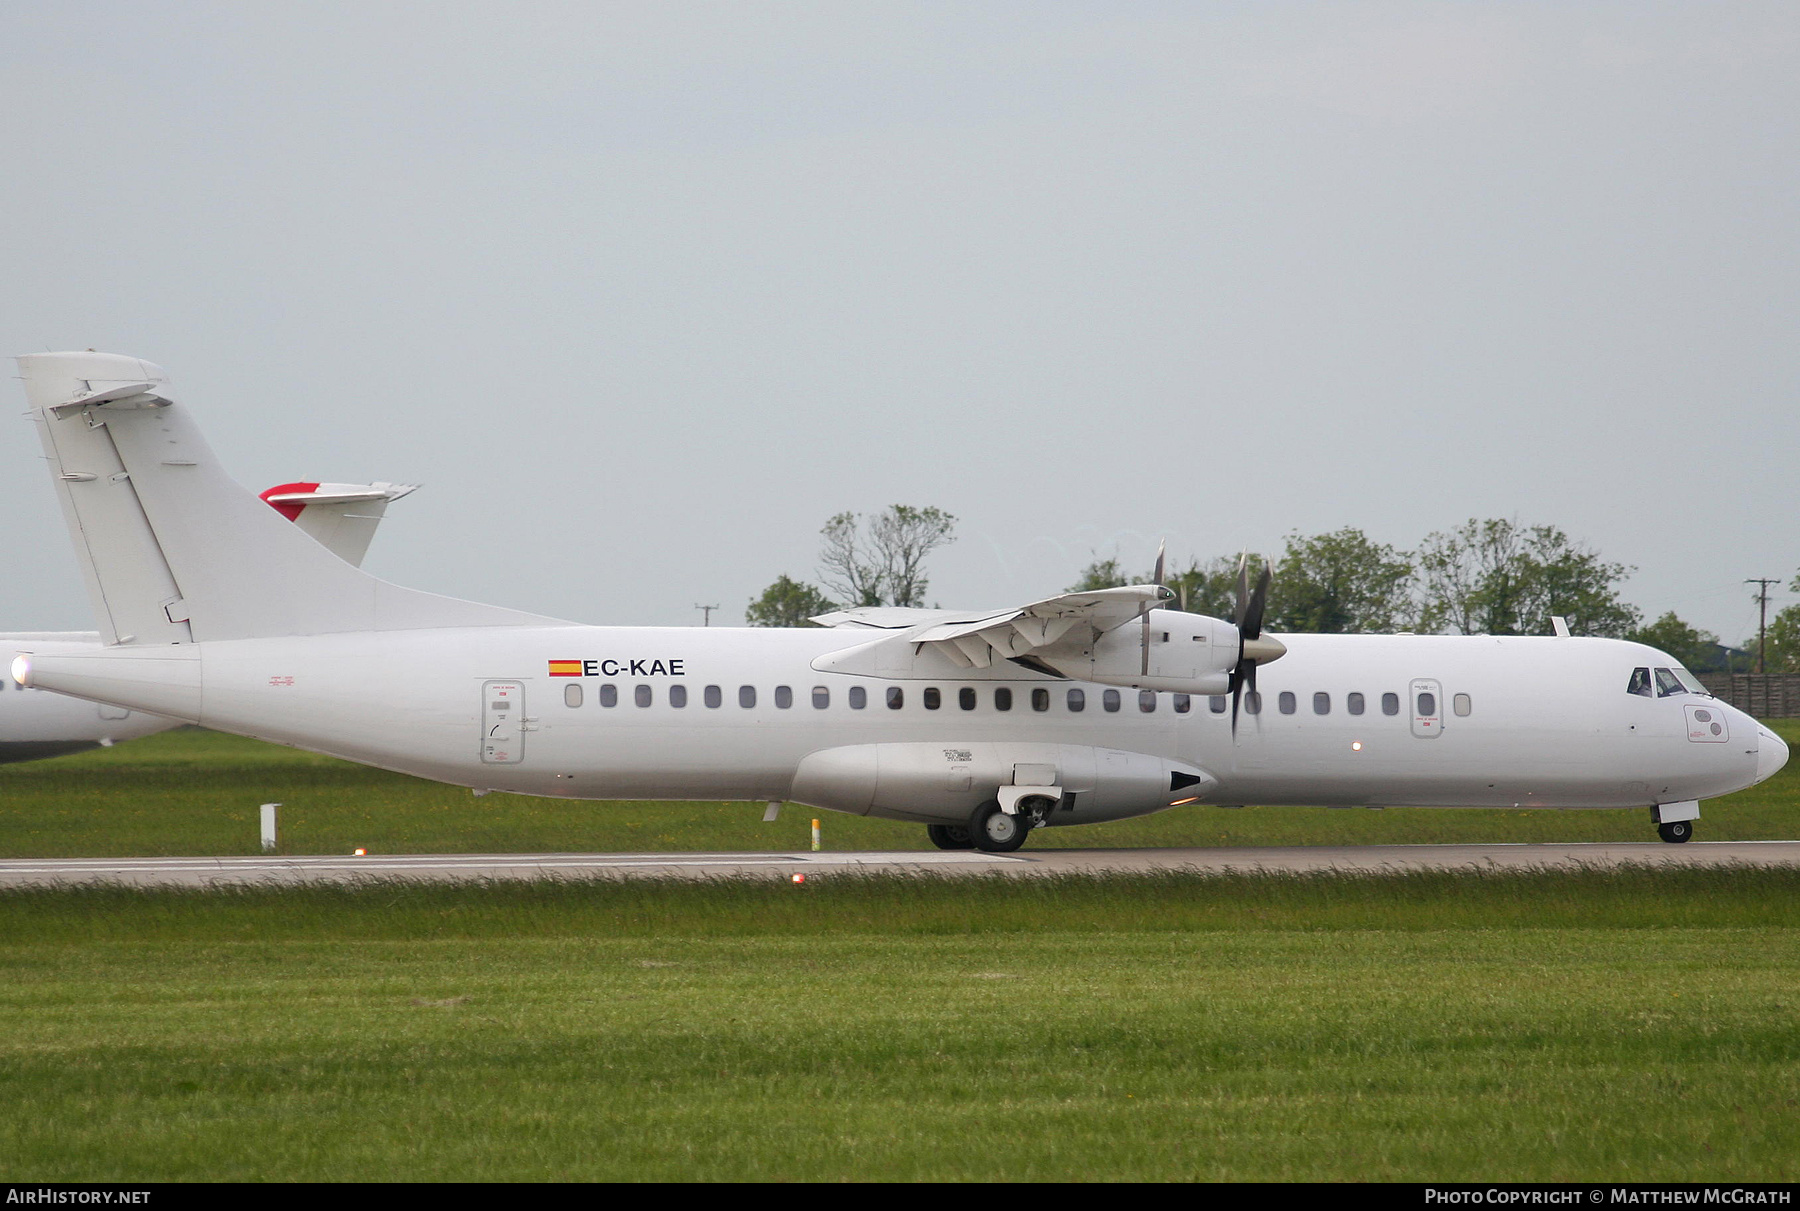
(1665, 684)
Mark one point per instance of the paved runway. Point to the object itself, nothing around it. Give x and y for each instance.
(474, 868)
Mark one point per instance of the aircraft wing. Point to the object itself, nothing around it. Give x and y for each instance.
(883, 618)
(976, 640)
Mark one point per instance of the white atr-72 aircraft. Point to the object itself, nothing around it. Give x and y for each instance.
(979, 724)
(37, 723)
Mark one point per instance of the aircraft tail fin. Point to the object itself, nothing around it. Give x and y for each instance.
(173, 550)
(342, 516)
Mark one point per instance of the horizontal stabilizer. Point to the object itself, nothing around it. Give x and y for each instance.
(125, 395)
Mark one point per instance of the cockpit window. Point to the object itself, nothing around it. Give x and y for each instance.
(1668, 684)
(1640, 683)
(1693, 683)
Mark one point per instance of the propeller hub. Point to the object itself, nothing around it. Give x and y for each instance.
(1264, 649)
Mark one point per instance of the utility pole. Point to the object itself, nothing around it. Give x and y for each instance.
(1762, 625)
(706, 615)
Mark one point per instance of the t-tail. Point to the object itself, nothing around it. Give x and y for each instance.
(175, 553)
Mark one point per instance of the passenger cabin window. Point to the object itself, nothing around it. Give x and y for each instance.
(1147, 701)
(821, 697)
(1390, 704)
(678, 695)
(859, 697)
(1640, 683)
(746, 696)
(784, 697)
(896, 697)
(713, 696)
(965, 698)
(1668, 684)
(1003, 699)
(1287, 703)
(1321, 704)
(934, 698)
(572, 694)
(1216, 704)
(609, 695)
(1183, 704)
(1461, 704)
(1040, 699)
(1077, 701)
(1353, 703)
(1110, 700)
(1427, 704)
(642, 695)
(1253, 703)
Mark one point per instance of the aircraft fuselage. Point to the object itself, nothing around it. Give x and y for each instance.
(718, 713)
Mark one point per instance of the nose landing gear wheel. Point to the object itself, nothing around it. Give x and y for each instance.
(950, 836)
(995, 832)
(1676, 831)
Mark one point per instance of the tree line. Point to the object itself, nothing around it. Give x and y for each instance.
(1488, 576)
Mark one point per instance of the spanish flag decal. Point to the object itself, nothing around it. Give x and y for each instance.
(565, 668)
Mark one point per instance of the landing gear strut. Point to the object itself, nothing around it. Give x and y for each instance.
(1676, 831)
(950, 836)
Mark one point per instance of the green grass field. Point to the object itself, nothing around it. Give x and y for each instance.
(1636, 1025)
(1632, 1024)
(194, 792)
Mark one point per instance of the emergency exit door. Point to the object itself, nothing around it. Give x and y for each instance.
(502, 722)
(1427, 708)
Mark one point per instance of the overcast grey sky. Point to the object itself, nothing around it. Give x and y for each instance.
(644, 292)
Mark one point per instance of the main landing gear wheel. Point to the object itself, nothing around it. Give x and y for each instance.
(950, 836)
(1676, 831)
(995, 832)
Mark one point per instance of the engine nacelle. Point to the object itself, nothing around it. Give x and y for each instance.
(1189, 654)
(938, 783)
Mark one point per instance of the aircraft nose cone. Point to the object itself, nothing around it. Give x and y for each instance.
(1771, 753)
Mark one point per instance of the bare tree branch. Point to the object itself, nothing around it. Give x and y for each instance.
(901, 539)
(882, 563)
(846, 568)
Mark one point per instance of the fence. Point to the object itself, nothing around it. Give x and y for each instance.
(1765, 695)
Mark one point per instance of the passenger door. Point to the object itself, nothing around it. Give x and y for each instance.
(502, 722)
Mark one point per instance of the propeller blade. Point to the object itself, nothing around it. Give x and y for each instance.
(1155, 578)
(1251, 606)
(1251, 626)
